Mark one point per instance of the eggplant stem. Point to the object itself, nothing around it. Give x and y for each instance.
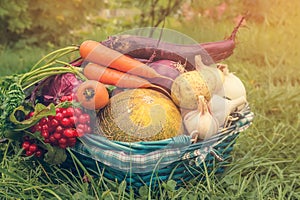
(233, 34)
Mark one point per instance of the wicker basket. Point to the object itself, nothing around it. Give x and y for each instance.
(150, 163)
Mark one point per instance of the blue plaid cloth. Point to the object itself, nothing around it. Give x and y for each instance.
(142, 157)
(138, 156)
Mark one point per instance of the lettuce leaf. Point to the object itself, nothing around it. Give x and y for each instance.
(55, 155)
(40, 111)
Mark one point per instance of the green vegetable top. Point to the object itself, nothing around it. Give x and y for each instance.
(11, 97)
(13, 88)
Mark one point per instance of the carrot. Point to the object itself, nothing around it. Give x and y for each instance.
(114, 77)
(92, 95)
(97, 53)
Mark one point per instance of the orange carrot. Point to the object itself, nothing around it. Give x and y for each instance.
(97, 53)
(120, 79)
(114, 77)
(92, 95)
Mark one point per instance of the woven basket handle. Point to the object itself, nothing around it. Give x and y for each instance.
(216, 154)
(198, 156)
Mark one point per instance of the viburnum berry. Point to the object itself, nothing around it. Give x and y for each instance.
(69, 112)
(59, 129)
(77, 111)
(62, 141)
(57, 135)
(54, 122)
(72, 140)
(65, 98)
(84, 118)
(87, 129)
(44, 127)
(45, 134)
(58, 110)
(26, 145)
(66, 122)
(33, 129)
(73, 120)
(80, 126)
(31, 148)
(52, 139)
(69, 133)
(51, 117)
(39, 153)
(64, 112)
(38, 127)
(30, 114)
(29, 153)
(43, 121)
(80, 132)
(64, 127)
(59, 116)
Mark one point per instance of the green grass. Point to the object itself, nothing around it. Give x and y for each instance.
(266, 159)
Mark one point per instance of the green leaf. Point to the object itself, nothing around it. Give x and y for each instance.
(110, 88)
(55, 155)
(40, 111)
(143, 191)
(122, 187)
(13, 135)
(67, 104)
(170, 185)
(106, 194)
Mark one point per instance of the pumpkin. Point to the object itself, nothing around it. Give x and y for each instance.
(140, 115)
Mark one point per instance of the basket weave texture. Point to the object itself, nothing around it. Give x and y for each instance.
(153, 162)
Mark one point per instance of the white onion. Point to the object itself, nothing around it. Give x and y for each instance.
(221, 107)
(233, 87)
(213, 76)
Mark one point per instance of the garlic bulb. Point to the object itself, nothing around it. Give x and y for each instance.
(200, 123)
(213, 76)
(221, 107)
(233, 87)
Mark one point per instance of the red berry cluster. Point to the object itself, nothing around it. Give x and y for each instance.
(60, 130)
(31, 148)
(70, 97)
(63, 128)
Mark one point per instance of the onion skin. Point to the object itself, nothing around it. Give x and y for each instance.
(233, 87)
(221, 107)
(165, 68)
